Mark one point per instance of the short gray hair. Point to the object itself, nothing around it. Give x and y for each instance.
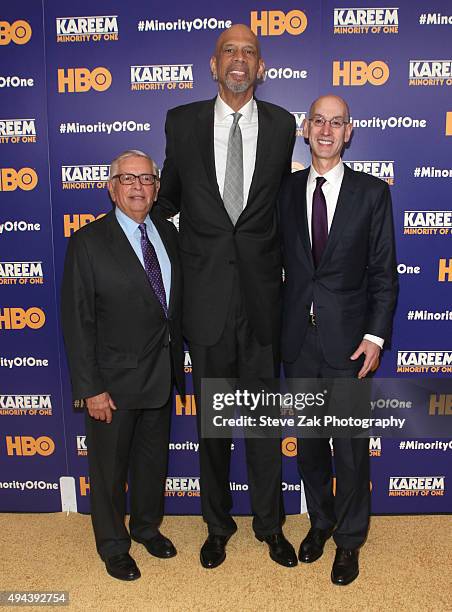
(131, 153)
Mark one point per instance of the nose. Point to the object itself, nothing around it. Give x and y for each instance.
(239, 55)
(326, 128)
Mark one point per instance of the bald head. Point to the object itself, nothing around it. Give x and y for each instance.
(327, 138)
(331, 100)
(237, 65)
(241, 31)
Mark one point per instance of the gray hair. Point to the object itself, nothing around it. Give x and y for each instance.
(131, 153)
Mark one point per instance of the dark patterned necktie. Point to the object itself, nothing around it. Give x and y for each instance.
(152, 267)
(319, 222)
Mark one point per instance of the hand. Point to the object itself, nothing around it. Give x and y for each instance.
(100, 407)
(372, 360)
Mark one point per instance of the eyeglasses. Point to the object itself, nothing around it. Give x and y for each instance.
(129, 178)
(335, 122)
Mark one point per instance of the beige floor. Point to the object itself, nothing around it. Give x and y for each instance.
(405, 565)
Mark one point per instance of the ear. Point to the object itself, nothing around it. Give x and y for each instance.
(261, 69)
(305, 127)
(213, 67)
(348, 132)
(156, 190)
(111, 191)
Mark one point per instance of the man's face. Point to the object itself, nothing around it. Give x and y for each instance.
(327, 142)
(236, 61)
(134, 200)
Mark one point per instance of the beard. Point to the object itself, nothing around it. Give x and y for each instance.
(236, 87)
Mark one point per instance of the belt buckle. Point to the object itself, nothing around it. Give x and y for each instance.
(312, 319)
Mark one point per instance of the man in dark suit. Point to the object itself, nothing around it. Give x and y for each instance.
(339, 295)
(225, 159)
(121, 313)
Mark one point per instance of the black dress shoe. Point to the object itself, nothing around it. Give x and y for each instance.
(311, 548)
(345, 566)
(213, 551)
(159, 546)
(281, 550)
(122, 567)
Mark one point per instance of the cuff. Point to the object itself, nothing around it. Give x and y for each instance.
(375, 339)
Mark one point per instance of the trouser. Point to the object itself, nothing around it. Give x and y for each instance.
(237, 354)
(136, 441)
(347, 511)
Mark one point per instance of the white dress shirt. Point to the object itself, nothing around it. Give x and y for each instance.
(133, 234)
(331, 191)
(249, 127)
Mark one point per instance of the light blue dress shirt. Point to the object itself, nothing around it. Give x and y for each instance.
(132, 231)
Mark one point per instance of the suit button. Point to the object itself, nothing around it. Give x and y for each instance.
(231, 262)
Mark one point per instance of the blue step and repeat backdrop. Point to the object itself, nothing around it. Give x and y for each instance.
(76, 88)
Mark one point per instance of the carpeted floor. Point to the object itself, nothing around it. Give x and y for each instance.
(405, 565)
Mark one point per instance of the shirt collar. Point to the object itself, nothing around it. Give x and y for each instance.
(222, 110)
(129, 225)
(333, 176)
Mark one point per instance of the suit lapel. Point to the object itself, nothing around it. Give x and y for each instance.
(126, 259)
(344, 208)
(263, 147)
(301, 214)
(204, 130)
(171, 250)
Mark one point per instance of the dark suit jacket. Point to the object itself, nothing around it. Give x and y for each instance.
(212, 249)
(115, 331)
(354, 288)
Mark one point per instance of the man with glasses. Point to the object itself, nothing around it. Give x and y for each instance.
(338, 301)
(121, 318)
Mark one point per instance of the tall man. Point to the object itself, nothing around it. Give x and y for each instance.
(339, 296)
(224, 162)
(121, 316)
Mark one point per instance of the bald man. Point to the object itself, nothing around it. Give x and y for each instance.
(225, 159)
(339, 296)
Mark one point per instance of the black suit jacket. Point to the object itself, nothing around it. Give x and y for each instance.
(354, 288)
(212, 249)
(116, 334)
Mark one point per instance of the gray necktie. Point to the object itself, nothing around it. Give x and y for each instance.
(233, 180)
